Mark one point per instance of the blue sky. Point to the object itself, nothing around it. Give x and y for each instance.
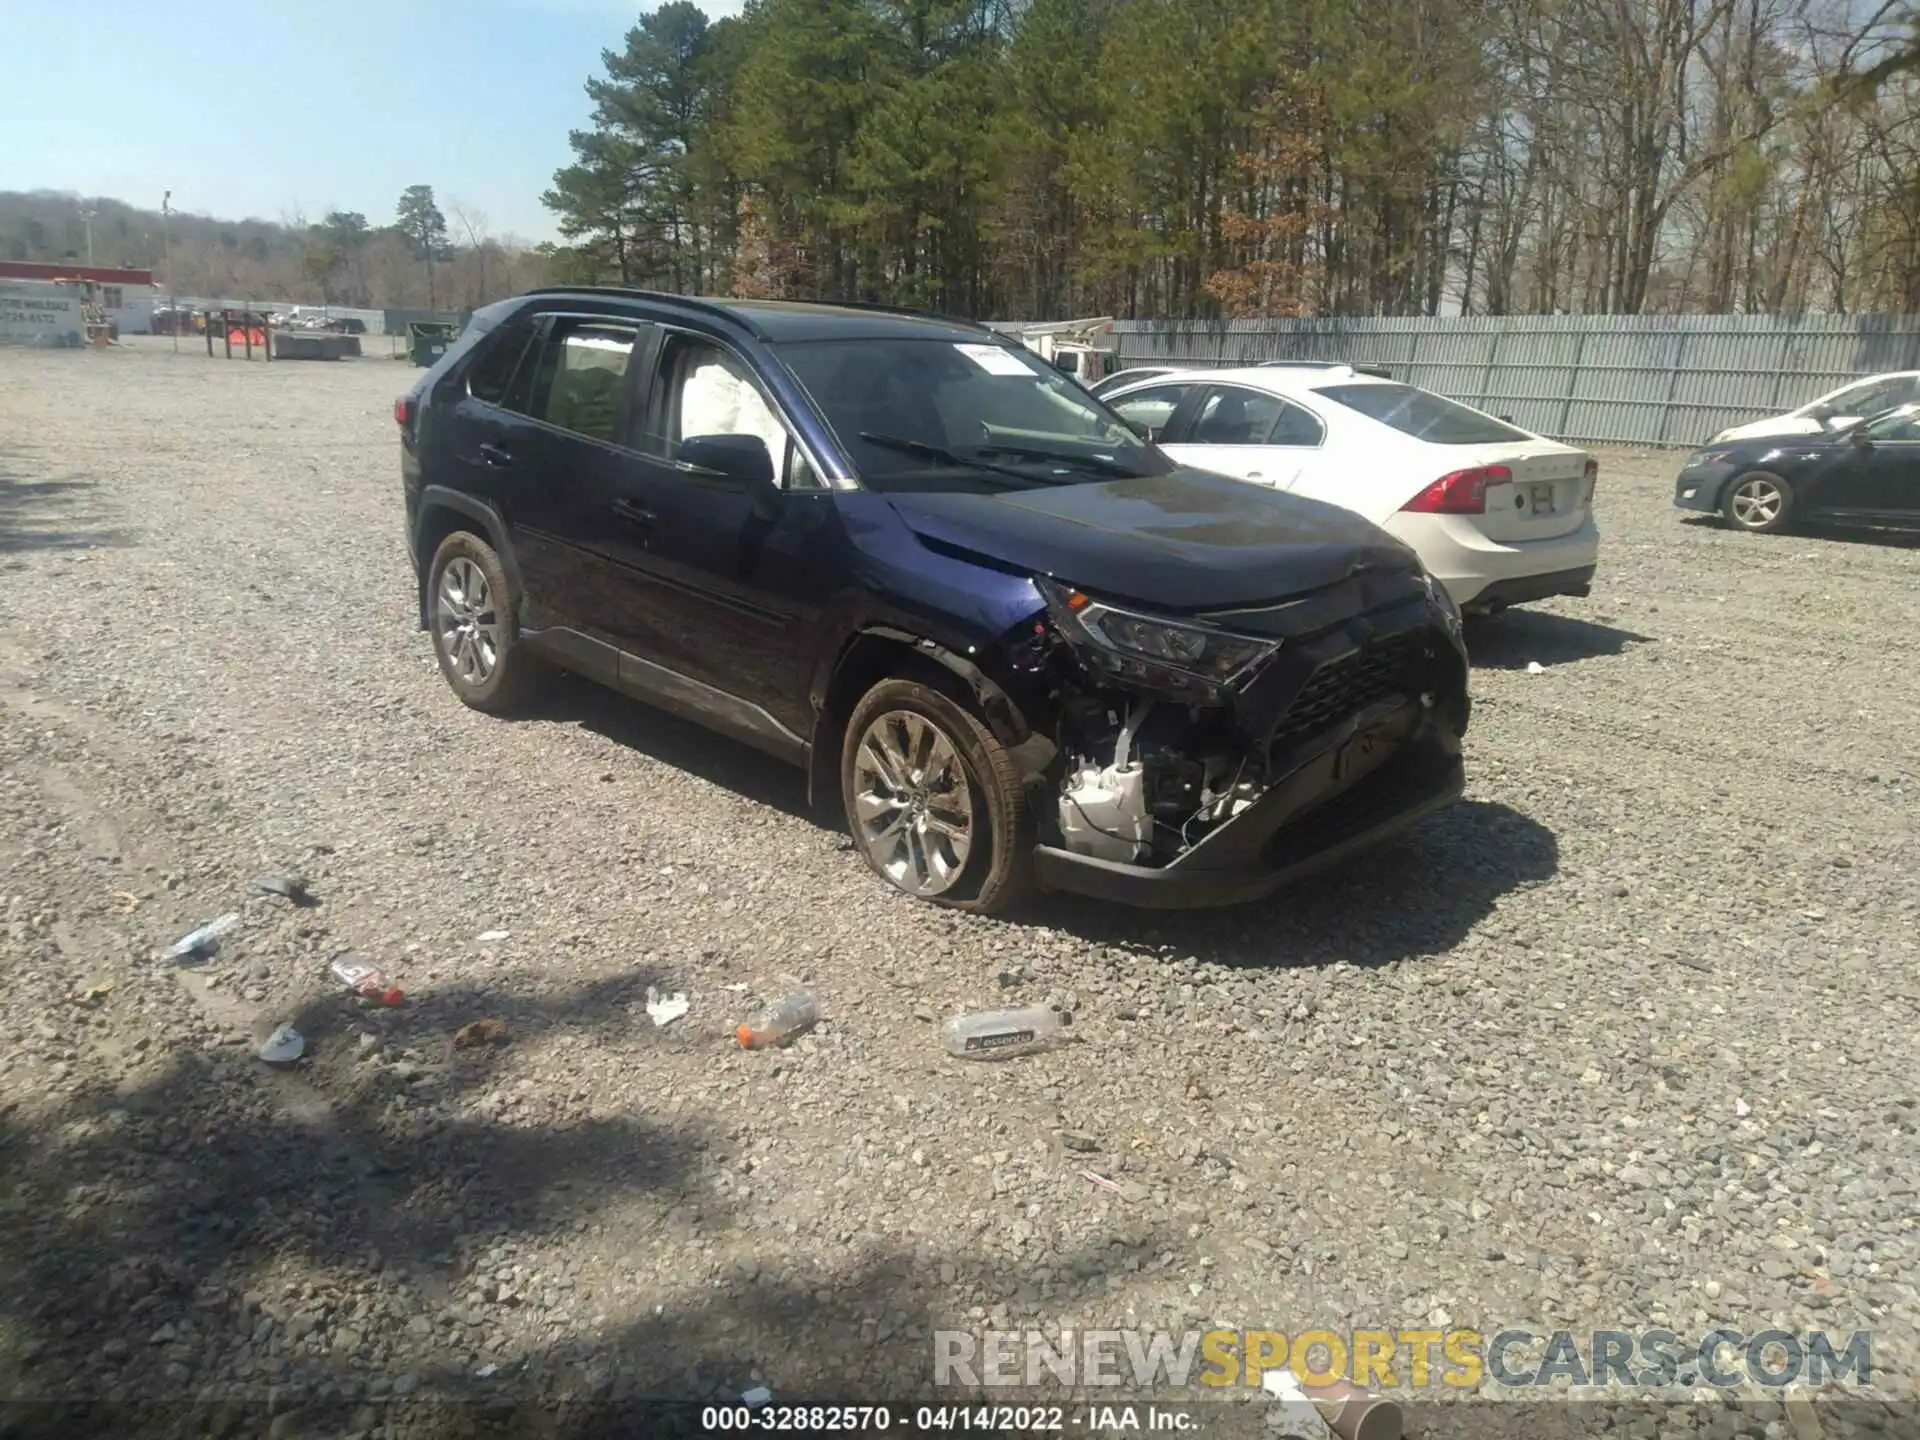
(472, 97)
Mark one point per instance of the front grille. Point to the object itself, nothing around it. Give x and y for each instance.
(1350, 684)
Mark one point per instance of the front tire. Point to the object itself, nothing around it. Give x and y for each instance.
(476, 637)
(933, 800)
(1758, 502)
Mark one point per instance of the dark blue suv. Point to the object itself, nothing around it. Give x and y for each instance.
(1021, 645)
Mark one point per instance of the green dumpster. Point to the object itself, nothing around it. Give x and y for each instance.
(427, 340)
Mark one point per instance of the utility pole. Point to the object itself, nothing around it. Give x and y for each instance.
(166, 244)
(87, 211)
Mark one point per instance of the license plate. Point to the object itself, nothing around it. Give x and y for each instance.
(1540, 499)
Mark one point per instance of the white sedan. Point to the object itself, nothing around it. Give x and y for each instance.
(1498, 515)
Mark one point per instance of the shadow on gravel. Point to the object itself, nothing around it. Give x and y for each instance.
(1883, 538)
(1418, 895)
(152, 1233)
(1521, 637)
(682, 744)
(52, 515)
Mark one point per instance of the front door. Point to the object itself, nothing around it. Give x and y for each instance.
(1880, 481)
(732, 568)
(1247, 434)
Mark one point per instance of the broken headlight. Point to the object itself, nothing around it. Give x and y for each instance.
(1149, 647)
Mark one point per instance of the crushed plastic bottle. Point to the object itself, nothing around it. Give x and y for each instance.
(1001, 1034)
(206, 939)
(780, 1021)
(366, 980)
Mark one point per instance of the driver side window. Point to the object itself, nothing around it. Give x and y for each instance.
(1872, 399)
(1151, 408)
(706, 391)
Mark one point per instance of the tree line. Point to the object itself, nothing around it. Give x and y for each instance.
(429, 256)
(1151, 158)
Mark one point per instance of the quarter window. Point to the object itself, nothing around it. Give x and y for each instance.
(493, 368)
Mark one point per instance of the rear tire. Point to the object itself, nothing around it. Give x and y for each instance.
(933, 800)
(1758, 502)
(473, 614)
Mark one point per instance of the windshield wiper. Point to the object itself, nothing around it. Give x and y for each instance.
(939, 456)
(1106, 464)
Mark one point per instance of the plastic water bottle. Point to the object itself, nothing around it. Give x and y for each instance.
(366, 980)
(1001, 1034)
(780, 1021)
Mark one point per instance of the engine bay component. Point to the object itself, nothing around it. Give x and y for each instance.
(1103, 808)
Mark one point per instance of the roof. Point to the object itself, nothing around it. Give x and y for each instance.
(99, 274)
(779, 321)
(1284, 379)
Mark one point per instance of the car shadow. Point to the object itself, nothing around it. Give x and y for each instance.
(666, 737)
(1884, 537)
(1518, 638)
(53, 514)
(1420, 894)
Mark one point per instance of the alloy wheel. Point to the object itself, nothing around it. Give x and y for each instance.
(1756, 503)
(468, 624)
(912, 804)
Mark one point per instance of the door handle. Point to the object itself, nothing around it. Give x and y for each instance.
(636, 514)
(495, 455)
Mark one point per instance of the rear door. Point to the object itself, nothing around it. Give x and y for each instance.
(579, 397)
(1248, 434)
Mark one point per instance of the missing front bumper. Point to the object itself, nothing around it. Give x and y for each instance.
(1306, 822)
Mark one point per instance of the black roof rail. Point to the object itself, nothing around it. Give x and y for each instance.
(718, 309)
(730, 309)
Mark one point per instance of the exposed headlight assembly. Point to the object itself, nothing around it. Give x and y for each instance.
(1150, 648)
(1704, 457)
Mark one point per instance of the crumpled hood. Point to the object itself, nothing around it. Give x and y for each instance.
(1187, 540)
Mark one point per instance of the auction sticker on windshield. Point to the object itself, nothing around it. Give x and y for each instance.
(994, 360)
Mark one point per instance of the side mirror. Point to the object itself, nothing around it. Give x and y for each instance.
(1860, 438)
(735, 457)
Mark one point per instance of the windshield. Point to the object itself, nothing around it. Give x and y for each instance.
(1422, 414)
(929, 408)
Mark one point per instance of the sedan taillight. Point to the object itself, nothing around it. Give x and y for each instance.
(1593, 480)
(1463, 492)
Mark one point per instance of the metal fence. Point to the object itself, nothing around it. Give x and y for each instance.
(1620, 379)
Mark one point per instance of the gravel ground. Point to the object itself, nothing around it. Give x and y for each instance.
(1626, 1039)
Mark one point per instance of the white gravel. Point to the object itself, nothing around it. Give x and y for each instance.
(1626, 1039)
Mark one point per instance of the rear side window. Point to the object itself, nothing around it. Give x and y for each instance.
(492, 369)
(1422, 414)
(581, 381)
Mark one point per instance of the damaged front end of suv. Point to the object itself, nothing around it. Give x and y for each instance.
(1210, 757)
